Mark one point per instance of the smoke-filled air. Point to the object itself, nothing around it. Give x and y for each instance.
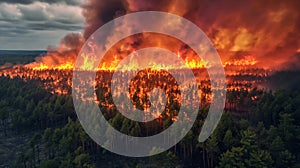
(263, 34)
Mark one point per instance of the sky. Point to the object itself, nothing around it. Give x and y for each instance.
(37, 24)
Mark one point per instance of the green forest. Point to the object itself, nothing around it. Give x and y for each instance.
(266, 135)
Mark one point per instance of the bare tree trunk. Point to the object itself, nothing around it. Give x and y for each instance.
(212, 160)
(203, 157)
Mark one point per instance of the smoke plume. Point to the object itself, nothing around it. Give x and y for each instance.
(268, 30)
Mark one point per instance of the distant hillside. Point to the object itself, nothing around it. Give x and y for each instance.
(14, 57)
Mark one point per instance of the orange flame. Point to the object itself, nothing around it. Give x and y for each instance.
(88, 64)
(247, 61)
(42, 66)
(190, 62)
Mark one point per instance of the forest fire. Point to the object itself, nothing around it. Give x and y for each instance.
(241, 74)
(239, 49)
(190, 63)
(247, 61)
(58, 80)
(270, 38)
(65, 66)
(53, 102)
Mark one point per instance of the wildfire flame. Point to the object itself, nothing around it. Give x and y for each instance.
(247, 61)
(87, 65)
(190, 63)
(42, 66)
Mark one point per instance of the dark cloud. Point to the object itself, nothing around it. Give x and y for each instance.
(17, 1)
(99, 12)
(13, 33)
(33, 14)
(52, 25)
(68, 2)
(43, 22)
(12, 29)
(26, 2)
(37, 14)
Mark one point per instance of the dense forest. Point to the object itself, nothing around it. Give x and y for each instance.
(266, 135)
